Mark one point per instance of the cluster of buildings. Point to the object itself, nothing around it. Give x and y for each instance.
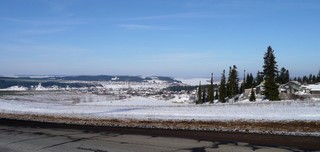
(294, 89)
(145, 89)
(291, 90)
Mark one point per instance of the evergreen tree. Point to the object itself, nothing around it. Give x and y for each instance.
(277, 77)
(242, 87)
(233, 82)
(228, 87)
(318, 77)
(314, 79)
(211, 90)
(287, 76)
(259, 77)
(249, 81)
(222, 88)
(305, 80)
(199, 101)
(270, 71)
(235, 75)
(246, 84)
(204, 95)
(284, 76)
(310, 78)
(299, 80)
(252, 95)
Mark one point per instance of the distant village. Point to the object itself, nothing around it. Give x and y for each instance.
(174, 91)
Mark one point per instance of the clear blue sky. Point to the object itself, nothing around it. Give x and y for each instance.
(180, 38)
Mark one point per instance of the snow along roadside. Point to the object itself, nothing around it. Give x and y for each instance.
(293, 128)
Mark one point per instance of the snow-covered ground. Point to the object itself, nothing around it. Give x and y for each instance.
(132, 85)
(101, 106)
(194, 81)
(15, 88)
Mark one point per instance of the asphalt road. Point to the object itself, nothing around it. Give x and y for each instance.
(37, 137)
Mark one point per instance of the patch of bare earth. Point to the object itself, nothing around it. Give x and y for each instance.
(310, 128)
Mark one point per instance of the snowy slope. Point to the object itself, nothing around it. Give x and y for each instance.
(148, 108)
(195, 81)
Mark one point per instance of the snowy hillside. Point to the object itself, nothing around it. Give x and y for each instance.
(97, 106)
(194, 81)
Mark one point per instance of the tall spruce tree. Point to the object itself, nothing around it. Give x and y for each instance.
(233, 82)
(235, 85)
(211, 90)
(199, 100)
(284, 76)
(249, 81)
(204, 95)
(318, 76)
(243, 84)
(287, 76)
(259, 78)
(228, 87)
(222, 88)
(270, 71)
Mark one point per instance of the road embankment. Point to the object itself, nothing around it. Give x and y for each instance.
(294, 128)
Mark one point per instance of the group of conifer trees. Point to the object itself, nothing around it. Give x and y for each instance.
(270, 76)
(311, 79)
(206, 93)
(227, 88)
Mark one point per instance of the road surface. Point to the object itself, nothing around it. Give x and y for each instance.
(17, 136)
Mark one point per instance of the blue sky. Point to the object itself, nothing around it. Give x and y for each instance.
(189, 38)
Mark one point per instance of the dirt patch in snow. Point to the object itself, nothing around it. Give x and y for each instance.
(296, 128)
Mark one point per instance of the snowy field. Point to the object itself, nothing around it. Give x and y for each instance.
(102, 106)
(194, 81)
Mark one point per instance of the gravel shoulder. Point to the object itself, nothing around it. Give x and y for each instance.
(293, 128)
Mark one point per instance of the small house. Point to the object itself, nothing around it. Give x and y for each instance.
(290, 87)
(313, 89)
(260, 88)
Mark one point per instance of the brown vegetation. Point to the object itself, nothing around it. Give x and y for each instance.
(246, 126)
